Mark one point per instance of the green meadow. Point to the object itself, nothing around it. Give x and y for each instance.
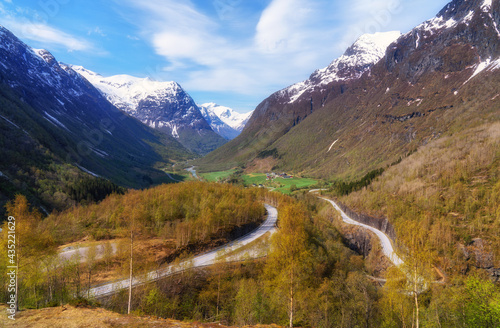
(282, 185)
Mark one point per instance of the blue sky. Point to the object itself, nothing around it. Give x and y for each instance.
(232, 52)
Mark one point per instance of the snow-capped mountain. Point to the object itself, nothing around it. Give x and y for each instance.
(224, 120)
(357, 59)
(161, 105)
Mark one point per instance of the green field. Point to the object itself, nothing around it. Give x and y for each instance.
(278, 184)
(216, 176)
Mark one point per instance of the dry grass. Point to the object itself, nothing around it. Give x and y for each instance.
(72, 317)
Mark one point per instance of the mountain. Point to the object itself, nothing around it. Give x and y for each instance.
(161, 105)
(224, 120)
(56, 126)
(277, 114)
(439, 77)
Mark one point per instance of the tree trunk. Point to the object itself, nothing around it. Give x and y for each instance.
(131, 270)
(291, 298)
(17, 275)
(90, 275)
(218, 297)
(415, 291)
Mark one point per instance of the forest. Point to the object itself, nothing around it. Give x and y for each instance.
(310, 277)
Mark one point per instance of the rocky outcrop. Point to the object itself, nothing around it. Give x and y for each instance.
(358, 240)
(381, 224)
(479, 255)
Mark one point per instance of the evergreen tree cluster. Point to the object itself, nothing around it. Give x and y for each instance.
(93, 190)
(345, 188)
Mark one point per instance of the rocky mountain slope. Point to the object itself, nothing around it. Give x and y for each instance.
(224, 120)
(53, 120)
(161, 105)
(284, 109)
(442, 75)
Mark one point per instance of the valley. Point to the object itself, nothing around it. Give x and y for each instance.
(367, 195)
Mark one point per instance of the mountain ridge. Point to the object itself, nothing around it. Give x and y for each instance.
(164, 106)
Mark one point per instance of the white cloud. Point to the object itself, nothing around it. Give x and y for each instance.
(178, 32)
(202, 57)
(282, 25)
(97, 30)
(46, 34)
(291, 39)
(36, 29)
(133, 38)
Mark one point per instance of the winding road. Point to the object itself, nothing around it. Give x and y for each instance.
(202, 260)
(387, 248)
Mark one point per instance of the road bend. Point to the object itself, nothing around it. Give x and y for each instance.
(202, 260)
(387, 248)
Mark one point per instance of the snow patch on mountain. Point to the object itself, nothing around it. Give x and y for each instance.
(55, 121)
(486, 6)
(468, 18)
(494, 65)
(357, 59)
(436, 23)
(486, 65)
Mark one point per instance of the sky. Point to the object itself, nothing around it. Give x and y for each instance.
(231, 52)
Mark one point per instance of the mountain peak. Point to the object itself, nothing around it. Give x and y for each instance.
(375, 44)
(224, 120)
(357, 59)
(126, 91)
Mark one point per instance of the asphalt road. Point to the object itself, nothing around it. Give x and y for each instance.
(71, 252)
(202, 260)
(387, 248)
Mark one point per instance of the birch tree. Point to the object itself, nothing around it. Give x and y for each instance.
(32, 242)
(290, 255)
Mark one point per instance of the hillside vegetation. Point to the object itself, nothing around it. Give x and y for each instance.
(450, 188)
(167, 221)
(310, 277)
(185, 212)
(42, 163)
